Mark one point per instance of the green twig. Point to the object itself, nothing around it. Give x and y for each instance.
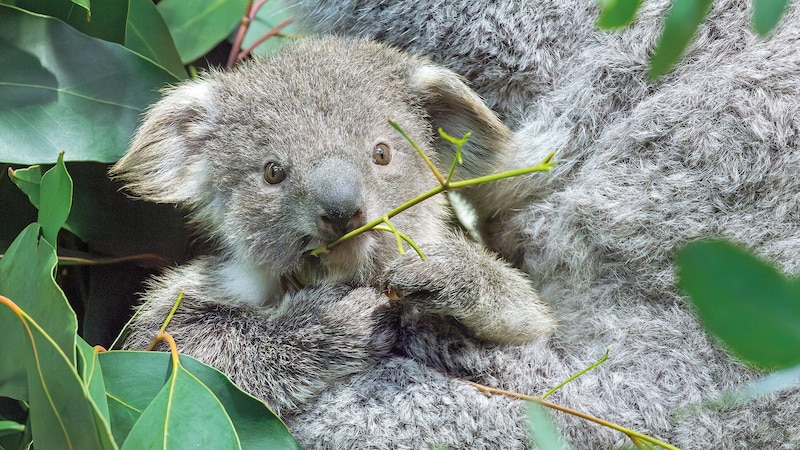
(396, 233)
(172, 312)
(459, 143)
(405, 238)
(433, 168)
(444, 185)
(601, 361)
(544, 166)
(635, 436)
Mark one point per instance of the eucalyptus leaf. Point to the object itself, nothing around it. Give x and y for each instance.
(104, 19)
(747, 303)
(617, 13)
(64, 91)
(683, 19)
(147, 34)
(52, 384)
(544, 433)
(29, 181)
(200, 25)
(92, 376)
(184, 414)
(55, 200)
(134, 379)
(26, 277)
(767, 14)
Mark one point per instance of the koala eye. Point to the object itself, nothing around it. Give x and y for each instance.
(381, 154)
(274, 173)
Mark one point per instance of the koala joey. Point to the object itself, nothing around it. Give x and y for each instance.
(284, 155)
(644, 166)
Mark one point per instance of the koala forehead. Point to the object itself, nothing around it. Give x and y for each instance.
(322, 95)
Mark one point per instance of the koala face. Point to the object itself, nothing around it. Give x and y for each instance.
(290, 177)
(286, 154)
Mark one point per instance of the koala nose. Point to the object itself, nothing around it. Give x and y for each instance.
(337, 190)
(338, 222)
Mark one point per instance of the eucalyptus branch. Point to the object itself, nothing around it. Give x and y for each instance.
(563, 383)
(459, 143)
(427, 160)
(403, 237)
(444, 185)
(634, 436)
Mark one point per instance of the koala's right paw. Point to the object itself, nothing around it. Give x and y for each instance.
(367, 313)
(356, 320)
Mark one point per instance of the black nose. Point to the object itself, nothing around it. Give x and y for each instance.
(338, 221)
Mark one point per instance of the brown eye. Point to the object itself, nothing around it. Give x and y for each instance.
(381, 154)
(274, 173)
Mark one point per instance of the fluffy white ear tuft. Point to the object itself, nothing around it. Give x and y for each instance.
(457, 109)
(166, 162)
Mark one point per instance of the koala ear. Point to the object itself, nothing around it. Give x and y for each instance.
(165, 162)
(457, 109)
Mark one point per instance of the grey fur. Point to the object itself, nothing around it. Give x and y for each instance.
(644, 167)
(317, 110)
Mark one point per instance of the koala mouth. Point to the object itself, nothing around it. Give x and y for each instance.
(344, 263)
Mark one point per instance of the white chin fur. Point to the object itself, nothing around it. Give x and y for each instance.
(248, 282)
(349, 259)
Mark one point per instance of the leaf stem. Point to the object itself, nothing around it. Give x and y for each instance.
(172, 312)
(635, 436)
(563, 383)
(427, 160)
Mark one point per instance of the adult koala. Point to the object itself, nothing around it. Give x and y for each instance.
(643, 167)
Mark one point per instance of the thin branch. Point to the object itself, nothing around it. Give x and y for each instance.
(433, 168)
(273, 32)
(244, 24)
(405, 238)
(633, 435)
(562, 384)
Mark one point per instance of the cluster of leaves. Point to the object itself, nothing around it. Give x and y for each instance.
(77, 78)
(682, 21)
(59, 392)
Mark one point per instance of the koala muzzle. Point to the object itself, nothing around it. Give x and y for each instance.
(337, 191)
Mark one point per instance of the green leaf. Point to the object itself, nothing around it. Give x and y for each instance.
(544, 433)
(134, 379)
(104, 20)
(767, 14)
(199, 26)
(9, 427)
(682, 21)
(92, 376)
(617, 13)
(29, 181)
(26, 277)
(184, 414)
(87, 104)
(744, 301)
(147, 34)
(62, 414)
(55, 200)
(270, 15)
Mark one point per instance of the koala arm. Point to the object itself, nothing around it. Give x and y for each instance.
(463, 280)
(284, 354)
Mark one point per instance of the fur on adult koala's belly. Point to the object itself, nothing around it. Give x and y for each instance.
(286, 154)
(644, 166)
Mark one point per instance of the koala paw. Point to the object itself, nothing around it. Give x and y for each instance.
(461, 279)
(358, 319)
